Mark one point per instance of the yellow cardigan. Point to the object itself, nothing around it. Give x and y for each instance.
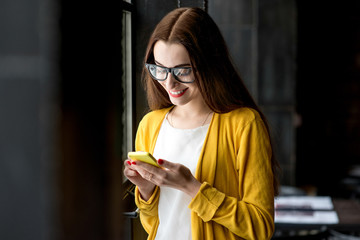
(236, 198)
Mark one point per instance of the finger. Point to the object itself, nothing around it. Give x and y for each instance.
(128, 165)
(167, 164)
(127, 162)
(131, 173)
(148, 167)
(147, 175)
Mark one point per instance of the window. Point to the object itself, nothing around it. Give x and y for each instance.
(127, 116)
(127, 125)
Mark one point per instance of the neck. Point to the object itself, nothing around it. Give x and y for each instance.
(186, 117)
(192, 110)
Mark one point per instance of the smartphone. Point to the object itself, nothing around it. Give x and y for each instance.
(144, 157)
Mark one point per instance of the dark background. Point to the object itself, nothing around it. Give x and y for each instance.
(328, 93)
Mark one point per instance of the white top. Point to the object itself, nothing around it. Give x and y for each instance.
(179, 146)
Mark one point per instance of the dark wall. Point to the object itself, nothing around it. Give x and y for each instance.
(261, 36)
(328, 93)
(91, 102)
(277, 54)
(60, 90)
(28, 111)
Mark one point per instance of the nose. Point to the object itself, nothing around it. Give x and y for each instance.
(170, 81)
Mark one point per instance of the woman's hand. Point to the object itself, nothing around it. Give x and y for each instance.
(170, 175)
(146, 188)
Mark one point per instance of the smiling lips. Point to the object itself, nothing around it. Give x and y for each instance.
(177, 94)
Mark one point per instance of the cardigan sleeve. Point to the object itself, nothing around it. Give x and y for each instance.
(148, 209)
(251, 214)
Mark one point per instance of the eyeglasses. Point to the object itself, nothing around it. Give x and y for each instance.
(181, 74)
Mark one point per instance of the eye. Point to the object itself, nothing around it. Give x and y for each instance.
(182, 72)
(160, 70)
(152, 68)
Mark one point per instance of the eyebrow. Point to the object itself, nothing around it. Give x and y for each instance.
(179, 65)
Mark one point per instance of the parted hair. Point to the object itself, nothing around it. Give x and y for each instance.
(215, 75)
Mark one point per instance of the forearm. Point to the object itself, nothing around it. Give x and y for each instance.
(148, 209)
(146, 192)
(191, 188)
(248, 220)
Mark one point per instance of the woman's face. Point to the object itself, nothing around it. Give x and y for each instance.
(172, 55)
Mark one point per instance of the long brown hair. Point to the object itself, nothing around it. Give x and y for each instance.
(216, 77)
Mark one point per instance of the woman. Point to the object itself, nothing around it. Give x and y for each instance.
(217, 176)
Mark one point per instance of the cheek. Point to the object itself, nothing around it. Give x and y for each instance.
(195, 90)
(162, 84)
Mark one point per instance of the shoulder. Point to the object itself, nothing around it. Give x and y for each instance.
(243, 123)
(241, 116)
(240, 120)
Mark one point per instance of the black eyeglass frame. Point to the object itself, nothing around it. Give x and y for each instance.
(168, 70)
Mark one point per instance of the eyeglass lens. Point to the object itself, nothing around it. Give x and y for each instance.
(182, 74)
